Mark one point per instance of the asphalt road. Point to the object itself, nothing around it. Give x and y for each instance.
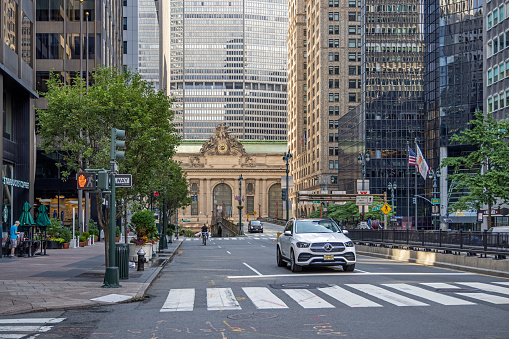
(232, 288)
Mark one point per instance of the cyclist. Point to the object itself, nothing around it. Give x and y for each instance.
(204, 234)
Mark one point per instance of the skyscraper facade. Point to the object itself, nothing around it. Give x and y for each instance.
(453, 90)
(141, 38)
(392, 100)
(225, 62)
(325, 66)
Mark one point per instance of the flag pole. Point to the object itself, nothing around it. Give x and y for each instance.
(415, 184)
(408, 185)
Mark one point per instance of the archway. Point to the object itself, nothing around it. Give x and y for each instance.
(222, 200)
(275, 202)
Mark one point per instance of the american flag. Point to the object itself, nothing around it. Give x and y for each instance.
(411, 156)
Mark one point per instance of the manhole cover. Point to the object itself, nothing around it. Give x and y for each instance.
(242, 316)
(298, 285)
(463, 290)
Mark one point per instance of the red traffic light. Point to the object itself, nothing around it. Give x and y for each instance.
(155, 194)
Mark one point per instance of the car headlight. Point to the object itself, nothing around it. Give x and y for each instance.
(303, 244)
(349, 244)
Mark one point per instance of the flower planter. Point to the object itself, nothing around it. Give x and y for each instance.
(82, 244)
(96, 239)
(133, 250)
(52, 245)
(117, 239)
(65, 245)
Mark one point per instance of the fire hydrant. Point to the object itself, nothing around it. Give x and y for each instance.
(141, 259)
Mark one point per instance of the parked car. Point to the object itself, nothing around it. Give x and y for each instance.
(315, 242)
(499, 229)
(255, 226)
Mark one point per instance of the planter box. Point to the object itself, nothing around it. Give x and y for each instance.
(133, 249)
(82, 244)
(52, 245)
(65, 245)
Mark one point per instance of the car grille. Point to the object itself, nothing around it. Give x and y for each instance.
(318, 247)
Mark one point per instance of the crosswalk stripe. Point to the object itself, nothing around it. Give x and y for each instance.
(348, 298)
(179, 300)
(486, 297)
(430, 295)
(221, 299)
(486, 287)
(32, 321)
(263, 298)
(385, 295)
(18, 328)
(307, 299)
(502, 282)
(12, 336)
(440, 285)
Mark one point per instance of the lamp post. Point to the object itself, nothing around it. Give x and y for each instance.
(362, 159)
(392, 187)
(435, 203)
(287, 158)
(240, 204)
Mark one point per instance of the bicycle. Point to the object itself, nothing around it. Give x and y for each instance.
(204, 238)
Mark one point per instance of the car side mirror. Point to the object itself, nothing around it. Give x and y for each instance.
(345, 232)
(288, 233)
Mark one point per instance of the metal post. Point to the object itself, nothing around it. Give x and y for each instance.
(86, 49)
(81, 39)
(286, 158)
(240, 204)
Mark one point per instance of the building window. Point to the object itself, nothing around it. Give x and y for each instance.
(124, 2)
(351, 43)
(501, 13)
(490, 105)
(124, 21)
(352, 16)
(502, 100)
(352, 57)
(507, 68)
(351, 97)
(352, 84)
(49, 10)
(11, 24)
(495, 17)
(331, 164)
(7, 119)
(490, 72)
(331, 56)
(48, 46)
(351, 30)
(250, 204)
(495, 45)
(495, 74)
(495, 102)
(27, 28)
(501, 70)
(125, 47)
(490, 21)
(352, 70)
(351, 3)
(331, 97)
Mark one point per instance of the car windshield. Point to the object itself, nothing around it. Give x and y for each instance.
(316, 226)
(255, 223)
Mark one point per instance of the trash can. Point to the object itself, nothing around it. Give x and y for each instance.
(122, 260)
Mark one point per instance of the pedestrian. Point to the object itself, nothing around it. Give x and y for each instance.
(14, 238)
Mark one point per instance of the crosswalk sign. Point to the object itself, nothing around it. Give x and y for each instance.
(386, 208)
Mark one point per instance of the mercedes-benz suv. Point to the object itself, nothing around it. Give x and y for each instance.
(315, 242)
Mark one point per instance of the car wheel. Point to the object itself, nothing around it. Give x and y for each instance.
(348, 268)
(294, 267)
(279, 258)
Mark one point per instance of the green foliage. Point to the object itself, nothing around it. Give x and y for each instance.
(82, 238)
(345, 213)
(55, 229)
(143, 223)
(189, 233)
(482, 173)
(86, 234)
(92, 229)
(66, 234)
(117, 231)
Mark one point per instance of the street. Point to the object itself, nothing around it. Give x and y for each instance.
(232, 288)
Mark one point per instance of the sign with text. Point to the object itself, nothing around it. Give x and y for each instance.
(123, 180)
(364, 200)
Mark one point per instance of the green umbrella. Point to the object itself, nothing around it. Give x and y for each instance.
(25, 219)
(43, 221)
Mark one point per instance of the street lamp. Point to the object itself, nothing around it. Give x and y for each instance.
(435, 203)
(287, 158)
(363, 159)
(392, 187)
(240, 204)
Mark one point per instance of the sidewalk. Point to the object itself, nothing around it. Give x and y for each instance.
(70, 278)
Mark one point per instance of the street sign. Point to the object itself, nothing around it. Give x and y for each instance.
(376, 208)
(363, 200)
(123, 180)
(316, 202)
(386, 209)
(435, 214)
(394, 219)
(435, 201)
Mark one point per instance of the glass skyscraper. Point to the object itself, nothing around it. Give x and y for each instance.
(225, 62)
(392, 100)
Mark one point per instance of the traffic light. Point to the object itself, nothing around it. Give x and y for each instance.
(155, 194)
(362, 216)
(117, 144)
(283, 194)
(86, 180)
(103, 182)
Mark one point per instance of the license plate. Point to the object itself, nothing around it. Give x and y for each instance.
(328, 257)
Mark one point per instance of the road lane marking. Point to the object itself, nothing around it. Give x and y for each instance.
(348, 298)
(18, 328)
(32, 321)
(263, 298)
(440, 285)
(228, 252)
(252, 269)
(385, 295)
(346, 274)
(307, 299)
(430, 295)
(486, 287)
(221, 299)
(493, 299)
(179, 300)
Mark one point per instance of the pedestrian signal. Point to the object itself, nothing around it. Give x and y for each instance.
(86, 180)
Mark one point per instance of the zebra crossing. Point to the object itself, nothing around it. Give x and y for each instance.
(333, 296)
(249, 237)
(26, 327)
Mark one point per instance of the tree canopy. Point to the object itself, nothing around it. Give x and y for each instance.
(483, 172)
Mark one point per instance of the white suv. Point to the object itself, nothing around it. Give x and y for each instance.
(315, 242)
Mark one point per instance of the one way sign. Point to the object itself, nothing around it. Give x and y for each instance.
(123, 180)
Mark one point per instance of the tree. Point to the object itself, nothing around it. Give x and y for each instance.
(483, 171)
(77, 124)
(348, 211)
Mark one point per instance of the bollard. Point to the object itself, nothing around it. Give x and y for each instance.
(141, 259)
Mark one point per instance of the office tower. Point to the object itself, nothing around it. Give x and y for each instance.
(225, 62)
(324, 65)
(496, 64)
(141, 38)
(453, 91)
(392, 102)
(17, 91)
